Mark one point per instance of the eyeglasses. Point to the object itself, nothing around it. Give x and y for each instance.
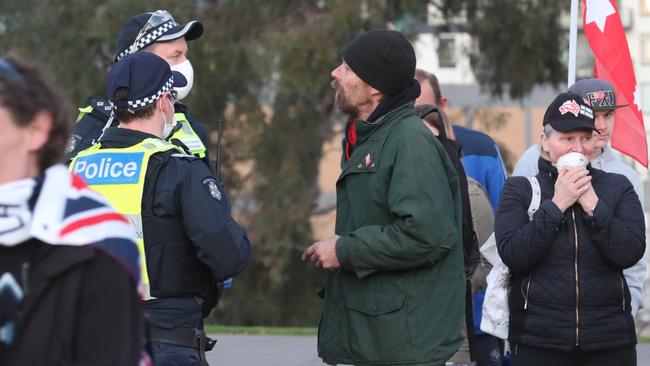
(8, 72)
(156, 19)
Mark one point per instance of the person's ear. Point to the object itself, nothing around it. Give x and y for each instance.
(375, 93)
(544, 142)
(38, 131)
(443, 103)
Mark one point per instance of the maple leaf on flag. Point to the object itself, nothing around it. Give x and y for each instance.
(612, 62)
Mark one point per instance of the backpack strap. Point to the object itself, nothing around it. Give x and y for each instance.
(535, 198)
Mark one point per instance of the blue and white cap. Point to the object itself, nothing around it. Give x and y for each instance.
(144, 29)
(146, 76)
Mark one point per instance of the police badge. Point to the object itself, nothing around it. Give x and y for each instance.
(213, 188)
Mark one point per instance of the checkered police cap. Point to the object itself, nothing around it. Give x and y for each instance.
(147, 39)
(145, 29)
(146, 76)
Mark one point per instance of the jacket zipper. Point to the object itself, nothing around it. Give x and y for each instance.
(622, 289)
(24, 274)
(575, 264)
(526, 293)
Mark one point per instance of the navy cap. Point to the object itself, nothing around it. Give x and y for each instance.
(167, 30)
(146, 76)
(598, 92)
(569, 112)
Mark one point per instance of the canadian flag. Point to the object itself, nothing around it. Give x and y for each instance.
(604, 30)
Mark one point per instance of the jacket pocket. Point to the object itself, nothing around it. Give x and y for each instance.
(377, 326)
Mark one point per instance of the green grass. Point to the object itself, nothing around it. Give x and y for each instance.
(285, 331)
(644, 339)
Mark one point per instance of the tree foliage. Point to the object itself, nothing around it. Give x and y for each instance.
(518, 43)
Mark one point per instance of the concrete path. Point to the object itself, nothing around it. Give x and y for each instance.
(246, 350)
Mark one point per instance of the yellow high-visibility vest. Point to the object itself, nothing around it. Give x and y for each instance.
(118, 175)
(188, 137)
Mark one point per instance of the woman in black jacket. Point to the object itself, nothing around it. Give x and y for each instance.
(569, 302)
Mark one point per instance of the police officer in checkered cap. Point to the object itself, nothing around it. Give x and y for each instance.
(159, 33)
(188, 240)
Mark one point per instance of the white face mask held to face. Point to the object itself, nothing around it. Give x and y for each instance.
(571, 160)
(185, 68)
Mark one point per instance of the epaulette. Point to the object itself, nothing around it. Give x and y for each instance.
(101, 108)
(183, 155)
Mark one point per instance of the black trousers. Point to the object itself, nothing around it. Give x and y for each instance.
(531, 356)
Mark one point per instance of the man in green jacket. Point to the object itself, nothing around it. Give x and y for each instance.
(395, 286)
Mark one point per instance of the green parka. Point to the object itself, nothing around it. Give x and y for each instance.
(399, 297)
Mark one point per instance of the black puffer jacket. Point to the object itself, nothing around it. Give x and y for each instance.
(567, 286)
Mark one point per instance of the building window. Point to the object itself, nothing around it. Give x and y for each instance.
(645, 49)
(447, 51)
(645, 97)
(645, 7)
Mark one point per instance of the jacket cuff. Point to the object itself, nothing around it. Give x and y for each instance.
(342, 251)
(343, 255)
(601, 213)
(552, 211)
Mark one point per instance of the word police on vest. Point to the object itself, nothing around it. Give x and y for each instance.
(109, 168)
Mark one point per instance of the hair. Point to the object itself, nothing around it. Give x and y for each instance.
(548, 130)
(30, 91)
(421, 76)
(424, 76)
(124, 115)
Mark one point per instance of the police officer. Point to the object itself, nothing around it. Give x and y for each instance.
(158, 33)
(187, 235)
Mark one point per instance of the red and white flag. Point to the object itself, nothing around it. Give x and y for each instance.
(604, 30)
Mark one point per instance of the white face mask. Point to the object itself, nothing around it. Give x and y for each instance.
(186, 69)
(168, 127)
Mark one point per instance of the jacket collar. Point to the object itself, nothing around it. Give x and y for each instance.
(115, 137)
(365, 129)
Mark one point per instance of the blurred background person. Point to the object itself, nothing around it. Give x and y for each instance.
(68, 263)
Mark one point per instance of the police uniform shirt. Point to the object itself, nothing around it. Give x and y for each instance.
(182, 188)
(185, 188)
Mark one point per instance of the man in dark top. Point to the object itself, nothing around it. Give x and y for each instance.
(186, 233)
(480, 154)
(69, 270)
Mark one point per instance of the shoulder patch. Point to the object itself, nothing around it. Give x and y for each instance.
(212, 187)
(73, 141)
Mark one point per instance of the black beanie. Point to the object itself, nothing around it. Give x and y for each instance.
(384, 59)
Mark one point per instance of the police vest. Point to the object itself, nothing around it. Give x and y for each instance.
(185, 134)
(119, 174)
(188, 137)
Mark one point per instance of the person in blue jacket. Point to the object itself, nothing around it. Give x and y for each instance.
(480, 154)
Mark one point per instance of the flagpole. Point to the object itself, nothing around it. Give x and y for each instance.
(573, 39)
